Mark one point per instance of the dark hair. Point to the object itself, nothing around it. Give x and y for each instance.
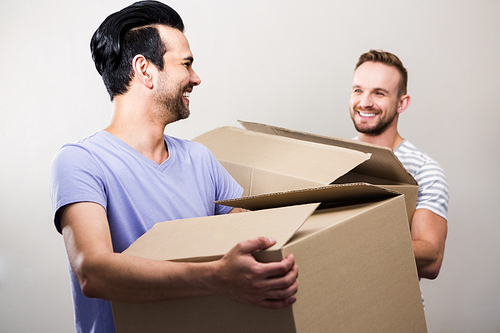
(126, 33)
(388, 59)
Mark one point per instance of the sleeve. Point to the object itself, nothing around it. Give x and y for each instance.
(225, 186)
(433, 193)
(75, 176)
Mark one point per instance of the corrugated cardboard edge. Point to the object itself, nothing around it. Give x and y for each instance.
(335, 194)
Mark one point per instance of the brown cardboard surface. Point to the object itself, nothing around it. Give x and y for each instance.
(357, 274)
(214, 314)
(363, 292)
(213, 236)
(285, 160)
(383, 163)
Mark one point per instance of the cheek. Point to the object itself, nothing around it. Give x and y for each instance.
(353, 102)
(183, 76)
(388, 106)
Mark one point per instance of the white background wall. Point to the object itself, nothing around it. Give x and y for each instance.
(285, 63)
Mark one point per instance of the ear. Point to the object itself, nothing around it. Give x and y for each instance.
(404, 103)
(142, 70)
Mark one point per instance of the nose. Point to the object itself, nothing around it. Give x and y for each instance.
(194, 79)
(366, 101)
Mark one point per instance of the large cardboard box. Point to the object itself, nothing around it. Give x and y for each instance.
(351, 242)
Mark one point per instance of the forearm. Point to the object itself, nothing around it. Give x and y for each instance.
(237, 275)
(126, 278)
(105, 274)
(428, 233)
(428, 259)
(117, 276)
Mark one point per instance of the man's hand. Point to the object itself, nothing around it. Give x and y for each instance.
(242, 278)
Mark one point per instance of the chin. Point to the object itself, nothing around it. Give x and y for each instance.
(184, 114)
(367, 130)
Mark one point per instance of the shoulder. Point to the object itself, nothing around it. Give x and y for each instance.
(433, 185)
(75, 152)
(407, 150)
(79, 161)
(426, 171)
(414, 159)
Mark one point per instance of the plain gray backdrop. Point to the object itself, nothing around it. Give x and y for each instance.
(284, 63)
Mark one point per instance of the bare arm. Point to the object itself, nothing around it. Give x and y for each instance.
(428, 233)
(115, 276)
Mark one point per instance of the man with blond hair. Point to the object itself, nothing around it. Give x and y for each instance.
(378, 97)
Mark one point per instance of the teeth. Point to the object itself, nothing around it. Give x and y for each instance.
(186, 94)
(367, 115)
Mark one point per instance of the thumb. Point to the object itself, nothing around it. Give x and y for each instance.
(255, 244)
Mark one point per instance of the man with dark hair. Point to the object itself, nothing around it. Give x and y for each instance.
(111, 187)
(378, 97)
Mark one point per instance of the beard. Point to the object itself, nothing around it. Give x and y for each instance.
(377, 128)
(173, 103)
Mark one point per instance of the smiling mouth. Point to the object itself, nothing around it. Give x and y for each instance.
(185, 94)
(366, 114)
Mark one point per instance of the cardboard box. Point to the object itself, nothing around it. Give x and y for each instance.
(351, 241)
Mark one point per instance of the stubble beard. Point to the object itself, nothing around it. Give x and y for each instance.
(173, 104)
(377, 129)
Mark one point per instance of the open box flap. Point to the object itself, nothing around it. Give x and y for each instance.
(330, 195)
(291, 158)
(382, 164)
(213, 236)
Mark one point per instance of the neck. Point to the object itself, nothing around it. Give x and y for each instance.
(135, 124)
(386, 139)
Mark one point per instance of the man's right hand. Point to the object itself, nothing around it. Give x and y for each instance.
(240, 277)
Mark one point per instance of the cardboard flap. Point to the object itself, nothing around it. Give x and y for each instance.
(382, 164)
(255, 182)
(297, 159)
(331, 195)
(213, 236)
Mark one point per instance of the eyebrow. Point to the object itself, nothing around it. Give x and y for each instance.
(374, 89)
(381, 89)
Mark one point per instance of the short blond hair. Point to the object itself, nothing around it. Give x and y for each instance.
(388, 59)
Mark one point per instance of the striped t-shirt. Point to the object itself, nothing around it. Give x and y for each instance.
(433, 186)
